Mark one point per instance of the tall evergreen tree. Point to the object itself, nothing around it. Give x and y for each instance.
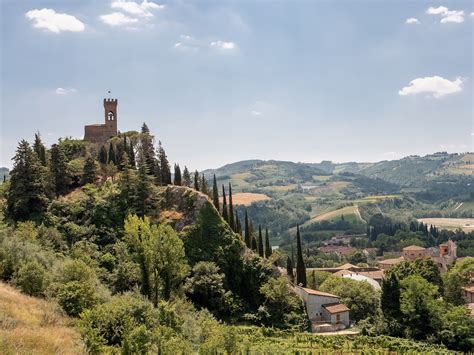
(268, 247)
(186, 177)
(177, 175)
(289, 269)
(58, 170)
(390, 297)
(231, 210)
(238, 226)
(143, 186)
(112, 157)
(260, 250)
(196, 180)
(254, 244)
(102, 155)
(148, 150)
(131, 156)
(40, 149)
(215, 193)
(300, 267)
(26, 197)
(89, 175)
(204, 187)
(164, 165)
(127, 184)
(225, 212)
(248, 238)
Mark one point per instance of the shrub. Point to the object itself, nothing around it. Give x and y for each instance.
(32, 278)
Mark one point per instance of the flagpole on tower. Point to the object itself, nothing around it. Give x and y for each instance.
(110, 96)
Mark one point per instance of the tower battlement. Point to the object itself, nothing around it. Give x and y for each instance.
(99, 133)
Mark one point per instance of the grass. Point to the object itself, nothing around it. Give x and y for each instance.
(33, 326)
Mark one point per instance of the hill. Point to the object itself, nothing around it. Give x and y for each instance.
(32, 326)
(436, 185)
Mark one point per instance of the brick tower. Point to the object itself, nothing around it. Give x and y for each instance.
(99, 133)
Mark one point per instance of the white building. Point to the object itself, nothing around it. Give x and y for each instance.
(325, 310)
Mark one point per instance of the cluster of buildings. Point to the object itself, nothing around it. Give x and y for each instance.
(328, 314)
(443, 256)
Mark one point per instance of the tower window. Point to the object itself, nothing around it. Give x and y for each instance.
(110, 116)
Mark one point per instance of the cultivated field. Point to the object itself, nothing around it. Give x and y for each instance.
(466, 224)
(247, 198)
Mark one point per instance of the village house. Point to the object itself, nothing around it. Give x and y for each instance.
(444, 256)
(325, 311)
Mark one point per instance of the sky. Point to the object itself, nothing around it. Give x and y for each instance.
(223, 81)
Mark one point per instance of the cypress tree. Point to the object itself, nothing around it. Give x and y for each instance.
(268, 248)
(143, 186)
(127, 184)
(131, 156)
(102, 155)
(164, 165)
(148, 149)
(112, 158)
(231, 210)
(196, 180)
(225, 214)
(300, 267)
(248, 239)
(204, 188)
(289, 269)
(390, 297)
(177, 175)
(238, 226)
(215, 193)
(254, 244)
(89, 175)
(186, 177)
(26, 197)
(4, 178)
(260, 250)
(58, 170)
(40, 149)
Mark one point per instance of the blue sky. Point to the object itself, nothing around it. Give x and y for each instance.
(223, 81)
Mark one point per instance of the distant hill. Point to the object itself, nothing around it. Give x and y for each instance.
(432, 185)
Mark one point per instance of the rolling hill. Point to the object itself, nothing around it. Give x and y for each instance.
(436, 185)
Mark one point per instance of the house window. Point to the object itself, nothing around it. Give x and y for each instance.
(338, 317)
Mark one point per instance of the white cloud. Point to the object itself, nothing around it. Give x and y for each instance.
(62, 91)
(412, 21)
(223, 45)
(117, 19)
(135, 8)
(53, 21)
(432, 85)
(255, 113)
(472, 14)
(446, 14)
(186, 37)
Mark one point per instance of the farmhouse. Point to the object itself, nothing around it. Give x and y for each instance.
(325, 311)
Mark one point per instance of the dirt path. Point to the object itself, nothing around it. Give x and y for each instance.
(458, 206)
(357, 212)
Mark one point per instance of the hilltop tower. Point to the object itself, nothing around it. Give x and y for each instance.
(99, 133)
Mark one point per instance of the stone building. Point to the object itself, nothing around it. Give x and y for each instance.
(325, 311)
(443, 256)
(99, 133)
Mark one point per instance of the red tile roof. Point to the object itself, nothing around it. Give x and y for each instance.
(318, 293)
(335, 308)
(413, 247)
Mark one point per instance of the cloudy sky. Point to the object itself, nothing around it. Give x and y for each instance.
(221, 81)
